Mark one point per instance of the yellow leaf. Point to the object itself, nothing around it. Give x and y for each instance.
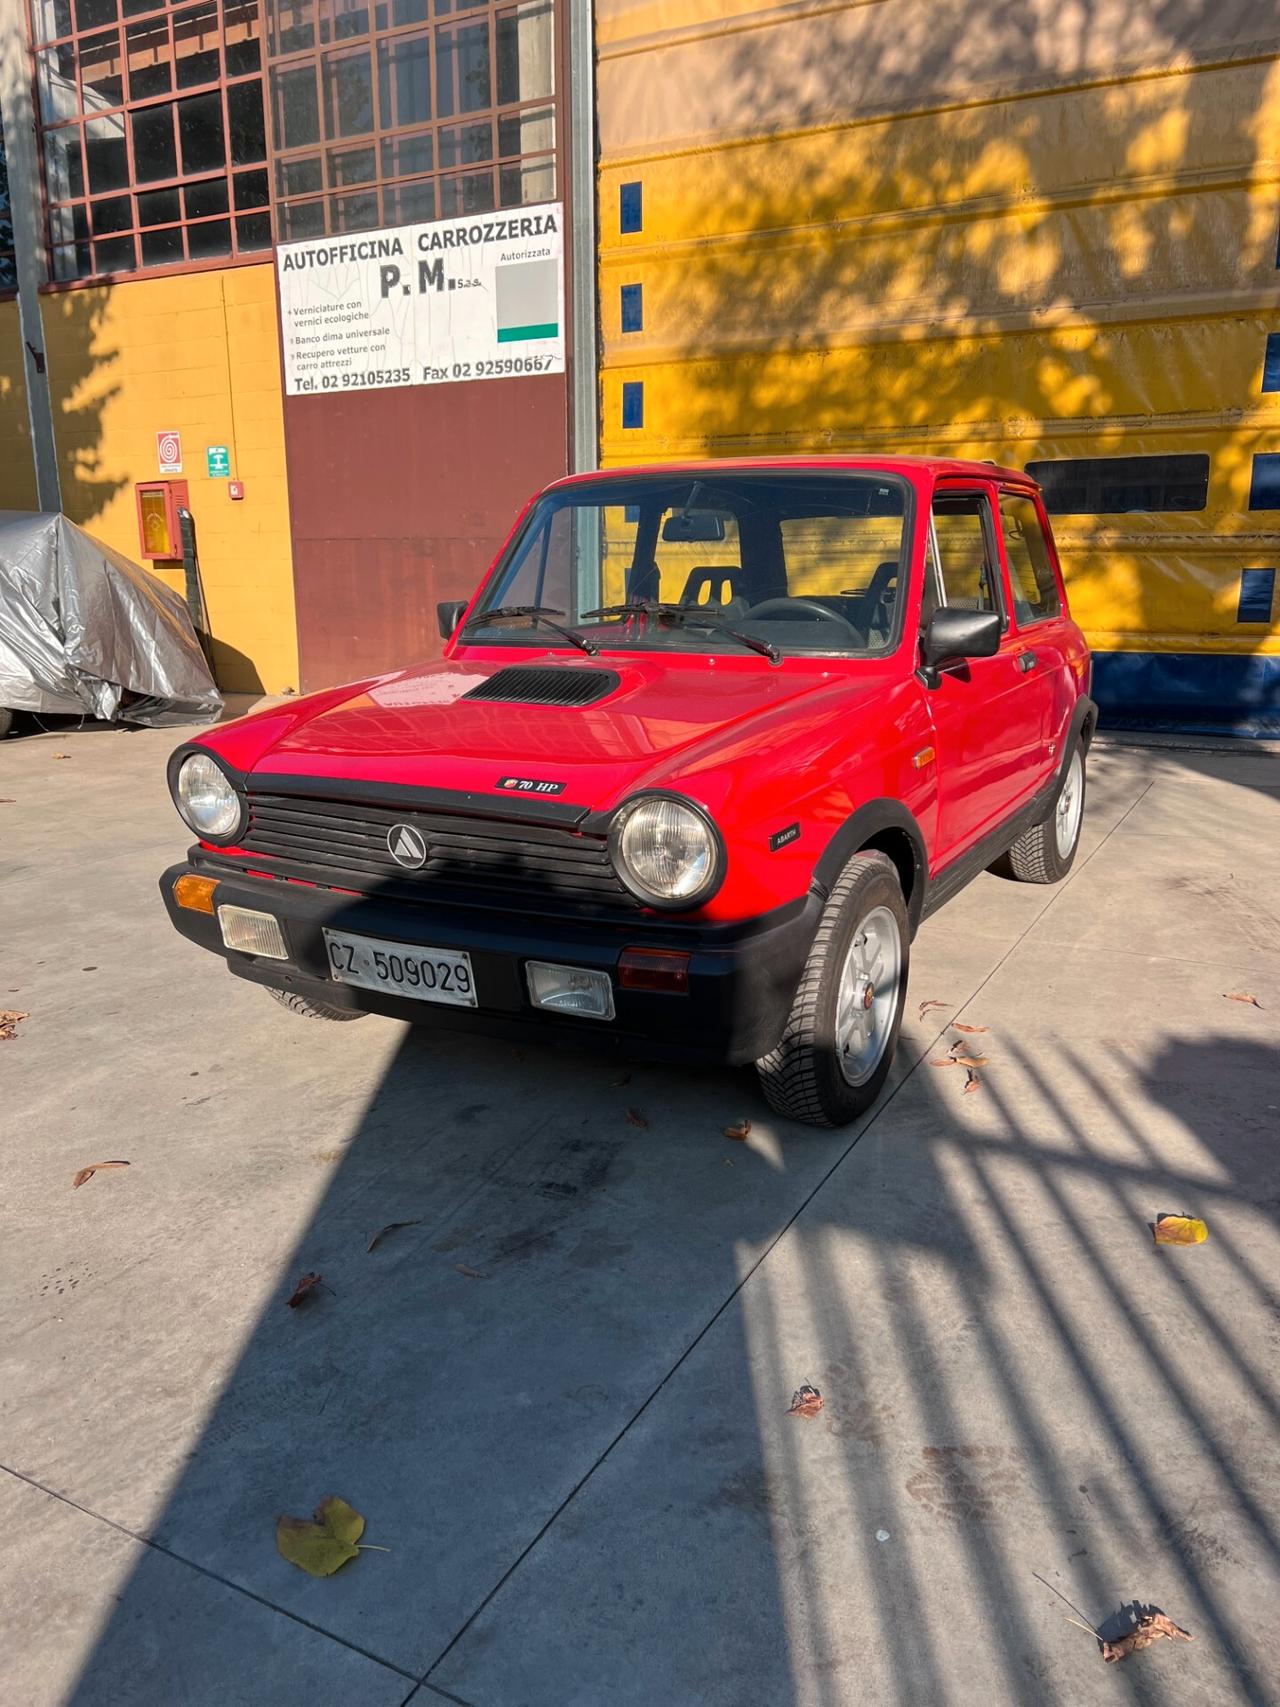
(322, 1545)
(1180, 1230)
(340, 1519)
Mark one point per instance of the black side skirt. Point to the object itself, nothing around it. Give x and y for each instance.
(953, 878)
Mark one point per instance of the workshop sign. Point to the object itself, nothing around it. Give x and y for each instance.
(457, 299)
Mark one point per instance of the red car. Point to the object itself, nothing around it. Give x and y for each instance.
(703, 751)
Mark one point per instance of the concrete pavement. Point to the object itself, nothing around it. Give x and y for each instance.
(581, 1462)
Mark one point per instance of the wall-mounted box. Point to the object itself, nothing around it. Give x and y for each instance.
(159, 536)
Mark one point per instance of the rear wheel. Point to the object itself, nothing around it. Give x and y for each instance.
(303, 1005)
(1046, 852)
(838, 1045)
(6, 721)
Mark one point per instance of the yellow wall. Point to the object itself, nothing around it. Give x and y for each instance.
(17, 470)
(893, 226)
(198, 353)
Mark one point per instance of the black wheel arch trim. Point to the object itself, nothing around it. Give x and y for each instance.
(1086, 712)
(870, 820)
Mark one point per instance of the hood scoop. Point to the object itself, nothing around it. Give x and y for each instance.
(546, 684)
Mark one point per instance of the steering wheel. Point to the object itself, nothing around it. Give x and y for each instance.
(800, 610)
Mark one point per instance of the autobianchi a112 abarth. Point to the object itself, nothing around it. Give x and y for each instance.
(702, 752)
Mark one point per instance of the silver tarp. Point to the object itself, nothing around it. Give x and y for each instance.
(84, 631)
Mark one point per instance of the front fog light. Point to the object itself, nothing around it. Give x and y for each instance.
(570, 990)
(252, 933)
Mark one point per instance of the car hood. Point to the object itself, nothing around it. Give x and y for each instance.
(668, 716)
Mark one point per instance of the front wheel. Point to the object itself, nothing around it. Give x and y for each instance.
(836, 1051)
(1046, 852)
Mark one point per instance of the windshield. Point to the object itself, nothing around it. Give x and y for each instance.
(774, 563)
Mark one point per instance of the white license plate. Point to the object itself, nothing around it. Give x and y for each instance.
(429, 974)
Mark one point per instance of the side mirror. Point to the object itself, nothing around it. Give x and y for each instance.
(954, 634)
(449, 615)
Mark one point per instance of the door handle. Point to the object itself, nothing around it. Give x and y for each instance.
(1027, 661)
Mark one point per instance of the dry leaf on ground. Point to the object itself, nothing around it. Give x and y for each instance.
(741, 1130)
(635, 1118)
(303, 1290)
(1151, 1626)
(323, 1544)
(7, 800)
(925, 1006)
(957, 1056)
(390, 1227)
(972, 1081)
(471, 1273)
(806, 1402)
(10, 1020)
(969, 1030)
(85, 1174)
(1241, 996)
(62, 755)
(1180, 1230)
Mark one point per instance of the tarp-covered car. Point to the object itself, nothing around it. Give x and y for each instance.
(85, 632)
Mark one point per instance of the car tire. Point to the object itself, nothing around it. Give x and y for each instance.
(303, 1005)
(818, 1073)
(1046, 852)
(6, 721)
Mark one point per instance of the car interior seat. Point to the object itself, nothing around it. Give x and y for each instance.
(875, 613)
(713, 584)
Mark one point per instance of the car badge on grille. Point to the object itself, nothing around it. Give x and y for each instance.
(407, 846)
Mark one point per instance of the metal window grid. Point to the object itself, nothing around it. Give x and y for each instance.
(248, 234)
(322, 212)
(339, 30)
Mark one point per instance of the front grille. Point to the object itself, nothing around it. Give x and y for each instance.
(546, 684)
(524, 864)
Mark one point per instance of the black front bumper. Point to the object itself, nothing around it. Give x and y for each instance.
(742, 978)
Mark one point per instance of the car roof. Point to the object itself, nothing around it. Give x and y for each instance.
(903, 465)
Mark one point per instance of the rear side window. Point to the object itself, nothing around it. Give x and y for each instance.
(1031, 576)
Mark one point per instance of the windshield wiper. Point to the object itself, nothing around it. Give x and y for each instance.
(536, 614)
(651, 607)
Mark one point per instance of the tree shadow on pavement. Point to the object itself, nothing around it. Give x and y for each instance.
(559, 1396)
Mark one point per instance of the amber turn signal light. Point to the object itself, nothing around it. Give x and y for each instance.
(195, 893)
(661, 970)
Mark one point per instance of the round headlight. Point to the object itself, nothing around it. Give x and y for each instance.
(205, 797)
(666, 852)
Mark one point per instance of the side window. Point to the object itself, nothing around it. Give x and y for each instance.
(1035, 586)
(961, 527)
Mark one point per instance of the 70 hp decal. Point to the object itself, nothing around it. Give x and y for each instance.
(529, 785)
